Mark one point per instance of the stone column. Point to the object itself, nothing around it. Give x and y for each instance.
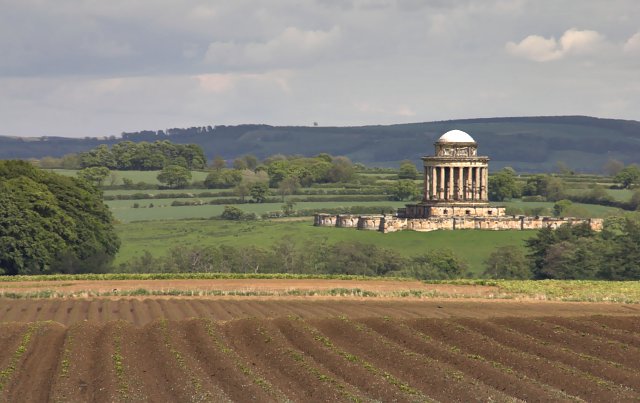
(486, 183)
(465, 175)
(476, 183)
(449, 181)
(440, 183)
(425, 190)
(460, 184)
(432, 182)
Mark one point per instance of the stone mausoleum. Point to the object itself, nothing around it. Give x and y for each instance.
(455, 196)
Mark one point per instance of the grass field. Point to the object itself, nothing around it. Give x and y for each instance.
(158, 237)
(135, 176)
(593, 209)
(123, 209)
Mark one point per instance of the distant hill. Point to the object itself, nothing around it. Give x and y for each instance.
(531, 144)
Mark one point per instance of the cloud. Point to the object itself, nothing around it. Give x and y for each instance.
(632, 45)
(293, 46)
(278, 80)
(572, 42)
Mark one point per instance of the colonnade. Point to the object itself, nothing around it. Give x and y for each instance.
(456, 183)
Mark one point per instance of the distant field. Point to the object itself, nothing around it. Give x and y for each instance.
(123, 209)
(158, 237)
(136, 176)
(113, 192)
(593, 209)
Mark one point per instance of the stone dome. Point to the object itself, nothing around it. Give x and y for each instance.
(456, 136)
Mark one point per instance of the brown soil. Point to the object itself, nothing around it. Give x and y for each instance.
(316, 349)
(143, 311)
(268, 285)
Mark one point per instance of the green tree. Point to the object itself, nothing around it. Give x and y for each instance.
(175, 176)
(259, 192)
(218, 163)
(634, 202)
(507, 262)
(628, 177)
(251, 161)
(240, 164)
(50, 223)
(223, 179)
(288, 186)
(404, 189)
(407, 170)
(341, 170)
(554, 189)
(434, 265)
(94, 175)
(503, 186)
(232, 213)
(561, 207)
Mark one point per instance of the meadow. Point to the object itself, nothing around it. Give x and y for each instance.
(152, 224)
(136, 176)
(158, 237)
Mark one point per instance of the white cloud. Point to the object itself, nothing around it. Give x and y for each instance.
(536, 48)
(572, 42)
(292, 46)
(632, 45)
(581, 42)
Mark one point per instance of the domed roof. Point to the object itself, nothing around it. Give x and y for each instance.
(456, 136)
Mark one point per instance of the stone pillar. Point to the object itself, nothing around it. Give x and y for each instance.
(432, 181)
(466, 183)
(460, 184)
(476, 184)
(450, 183)
(486, 183)
(425, 190)
(441, 184)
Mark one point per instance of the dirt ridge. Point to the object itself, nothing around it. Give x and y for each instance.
(338, 358)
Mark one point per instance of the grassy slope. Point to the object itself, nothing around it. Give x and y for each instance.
(159, 236)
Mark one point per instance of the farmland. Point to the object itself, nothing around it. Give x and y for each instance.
(153, 236)
(313, 348)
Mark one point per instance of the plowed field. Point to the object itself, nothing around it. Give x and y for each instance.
(317, 349)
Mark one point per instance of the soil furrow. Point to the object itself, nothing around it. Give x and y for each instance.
(583, 327)
(10, 336)
(497, 376)
(553, 373)
(223, 366)
(34, 379)
(562, 337)
(602, 368)
(260, 343)
(307, 339)
(405, 365)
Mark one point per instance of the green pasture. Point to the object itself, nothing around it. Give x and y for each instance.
(123, 209)
(114, 192)
(158, 237)
(618, 194)
(594, 210)
(135, 176)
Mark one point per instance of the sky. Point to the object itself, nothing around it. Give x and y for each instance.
(79, 68)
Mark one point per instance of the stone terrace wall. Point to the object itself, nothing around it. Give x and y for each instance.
(386, 223)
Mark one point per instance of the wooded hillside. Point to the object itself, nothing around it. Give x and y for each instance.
(530, 144)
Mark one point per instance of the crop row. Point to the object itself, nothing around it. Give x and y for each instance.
(337, 359)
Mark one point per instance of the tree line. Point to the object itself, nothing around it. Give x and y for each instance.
(573, 253)
(144, 156)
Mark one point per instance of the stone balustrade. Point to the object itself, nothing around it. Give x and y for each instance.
(391, 223)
